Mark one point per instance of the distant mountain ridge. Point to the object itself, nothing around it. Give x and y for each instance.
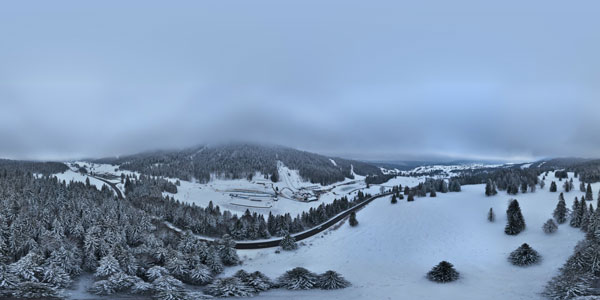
(241, 160)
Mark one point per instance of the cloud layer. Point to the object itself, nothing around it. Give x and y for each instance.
(369, 80)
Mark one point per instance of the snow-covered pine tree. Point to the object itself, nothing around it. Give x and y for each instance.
(36, 290)
(524, 256)
(169, 288)
(353, 222)
(332, 280)
(490, 188)
(8, 281)
(394, 199)
(199, 274)
(581, 186)
(560, 212)
(213, 261)
(228, 287)
(575, 214)
(589, 195)
(491, 217)
(108, 266)
(553, 187)
(298, 279)
(229, 255)
(258, 282)
(443, 272)
(515, 221)
(288, 243)
(156, 272)
(550, 226)
(57, 277)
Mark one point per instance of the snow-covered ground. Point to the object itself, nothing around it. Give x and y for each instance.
(394, 246)
(445, 171)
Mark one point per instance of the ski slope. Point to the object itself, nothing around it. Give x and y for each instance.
(394, 246)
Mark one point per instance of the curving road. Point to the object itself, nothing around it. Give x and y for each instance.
(306, 234)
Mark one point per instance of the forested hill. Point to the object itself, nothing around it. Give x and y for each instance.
(233, 161)
(45, 168)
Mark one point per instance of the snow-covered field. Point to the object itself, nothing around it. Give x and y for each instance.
(394, 246)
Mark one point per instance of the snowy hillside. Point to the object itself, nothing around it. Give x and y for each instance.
(393, 247)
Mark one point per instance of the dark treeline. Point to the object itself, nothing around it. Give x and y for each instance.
(237, 161)
(44, 168)
(512, 180)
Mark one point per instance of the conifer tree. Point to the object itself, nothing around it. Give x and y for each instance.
(332, 280)
(432, 194)
(491, 217)
(394, 199)
(589, 196)
(575, 214)
(550, 226)
(288, 243)
(353, 222)
(490, 188)
(411, 197)
(560, 212)
(298, 279)
(443, 272)
(524, 256)
(553, 187)
(516, 222)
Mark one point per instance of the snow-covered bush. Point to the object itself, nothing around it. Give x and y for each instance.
(298, 279)
(550, 226)
(524, 256)
(228, 287)
(288, 243)
(256, 281)
(443, 272)
(332, 280)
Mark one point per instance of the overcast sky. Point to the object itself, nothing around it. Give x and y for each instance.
(513, 80)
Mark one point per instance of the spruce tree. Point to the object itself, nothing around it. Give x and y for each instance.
(411, 197)
(589, 196)
(516, 222)
(288, 243)
(553, 187)
(560, 212)
(490, 188)
(443, 272)
(394, 199)
(353, 222)
(491, 217)
(432, 194)
(298, 279)
(550, 226)
(575, 214)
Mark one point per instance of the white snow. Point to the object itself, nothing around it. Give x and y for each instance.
(333, 162)
(525, 166)
(394, 246)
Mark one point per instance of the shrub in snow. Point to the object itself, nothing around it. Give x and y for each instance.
(298, 279)
(550, 226)
(36, 290)
(516, 222)
(288, 243)
(491, 216)
(524, 256)
(443, 272)
(228, 287)
(353, 222)
(432, 194)
(332, 280)
(257, 281)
